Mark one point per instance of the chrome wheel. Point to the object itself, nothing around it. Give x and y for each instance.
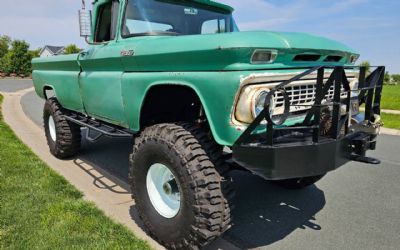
(52, 128)
(163, 190)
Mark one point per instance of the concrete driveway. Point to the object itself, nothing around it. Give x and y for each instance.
(355, 207)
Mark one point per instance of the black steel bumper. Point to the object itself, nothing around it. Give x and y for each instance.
(294, 160)
(301, 150)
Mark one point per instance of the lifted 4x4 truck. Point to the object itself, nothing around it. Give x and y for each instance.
(201, 98)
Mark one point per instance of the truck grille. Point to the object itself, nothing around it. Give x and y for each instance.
(302, 93)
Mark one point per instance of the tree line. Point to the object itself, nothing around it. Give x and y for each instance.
(16, 57)
(390, 79)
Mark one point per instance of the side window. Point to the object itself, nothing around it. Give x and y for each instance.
(106, 24)
(213, 26)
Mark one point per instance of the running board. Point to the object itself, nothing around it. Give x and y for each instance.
(101, 127)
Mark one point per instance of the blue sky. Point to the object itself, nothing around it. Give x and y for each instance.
(370, 27)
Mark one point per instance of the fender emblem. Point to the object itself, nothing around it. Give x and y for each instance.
(127, 53)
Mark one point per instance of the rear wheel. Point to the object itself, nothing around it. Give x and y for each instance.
(180, 194)
(63, 137)
(298, 183)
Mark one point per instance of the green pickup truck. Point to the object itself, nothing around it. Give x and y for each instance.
(200, 98)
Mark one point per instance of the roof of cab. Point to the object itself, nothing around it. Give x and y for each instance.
(215, 4)
(204, 2)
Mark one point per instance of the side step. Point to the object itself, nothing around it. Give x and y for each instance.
(102, 128)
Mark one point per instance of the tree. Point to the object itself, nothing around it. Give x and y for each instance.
(4, 45)
(366, 64)
(35, 53)
(386, 79)
(71, 49)
(396, 79)
(18, 59)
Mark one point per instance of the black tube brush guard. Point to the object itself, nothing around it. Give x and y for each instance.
(283, 152)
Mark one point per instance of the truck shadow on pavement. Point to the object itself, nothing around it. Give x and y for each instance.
(264, 213)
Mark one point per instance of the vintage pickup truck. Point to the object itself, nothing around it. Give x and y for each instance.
(201, 98)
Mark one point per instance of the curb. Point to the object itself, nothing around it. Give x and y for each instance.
(387, 111)
(390, 131)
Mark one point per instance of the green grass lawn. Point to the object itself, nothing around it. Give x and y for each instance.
(391, 121)
(391, 97)
(39, 209)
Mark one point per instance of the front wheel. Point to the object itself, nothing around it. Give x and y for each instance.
(179, 192)
(298, 183)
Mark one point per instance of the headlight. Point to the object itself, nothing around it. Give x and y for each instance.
(263, 56)
(354, 58)
(259, 101)
(354, 84)
(277, 115)
(354, 88)
(252, 101)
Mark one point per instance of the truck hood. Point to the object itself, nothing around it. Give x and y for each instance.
(228, 51)
(268, 39)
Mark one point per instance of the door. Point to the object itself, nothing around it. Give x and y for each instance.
(100, 80)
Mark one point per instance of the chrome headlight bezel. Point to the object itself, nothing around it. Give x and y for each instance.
(259, 102)
(251, 102)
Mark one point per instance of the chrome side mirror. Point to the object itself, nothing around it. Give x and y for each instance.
(85, 23)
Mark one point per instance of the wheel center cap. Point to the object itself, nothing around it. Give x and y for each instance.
(167, 188)
(170, 187)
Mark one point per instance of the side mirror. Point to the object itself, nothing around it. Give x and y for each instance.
(85, 23)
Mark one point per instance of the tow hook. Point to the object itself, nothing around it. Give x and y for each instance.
(366, 139)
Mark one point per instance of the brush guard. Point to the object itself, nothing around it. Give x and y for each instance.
(301, 150)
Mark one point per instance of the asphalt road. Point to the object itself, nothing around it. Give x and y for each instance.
(10, 85)
(354, 207)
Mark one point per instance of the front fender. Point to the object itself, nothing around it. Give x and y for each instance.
(216, 91)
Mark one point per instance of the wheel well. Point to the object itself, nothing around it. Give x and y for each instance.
(48, 92)
(171, 103)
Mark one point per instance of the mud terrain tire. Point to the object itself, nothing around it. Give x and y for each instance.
(205, 193)
(63, 137)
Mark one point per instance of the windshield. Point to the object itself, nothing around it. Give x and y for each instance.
(156, 17)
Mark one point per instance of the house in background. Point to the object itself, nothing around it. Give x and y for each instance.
(51, 51)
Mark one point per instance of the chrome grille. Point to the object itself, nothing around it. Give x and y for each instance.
(302, 93)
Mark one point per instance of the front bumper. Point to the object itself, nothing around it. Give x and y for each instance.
(303, 150)
(293, 160)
